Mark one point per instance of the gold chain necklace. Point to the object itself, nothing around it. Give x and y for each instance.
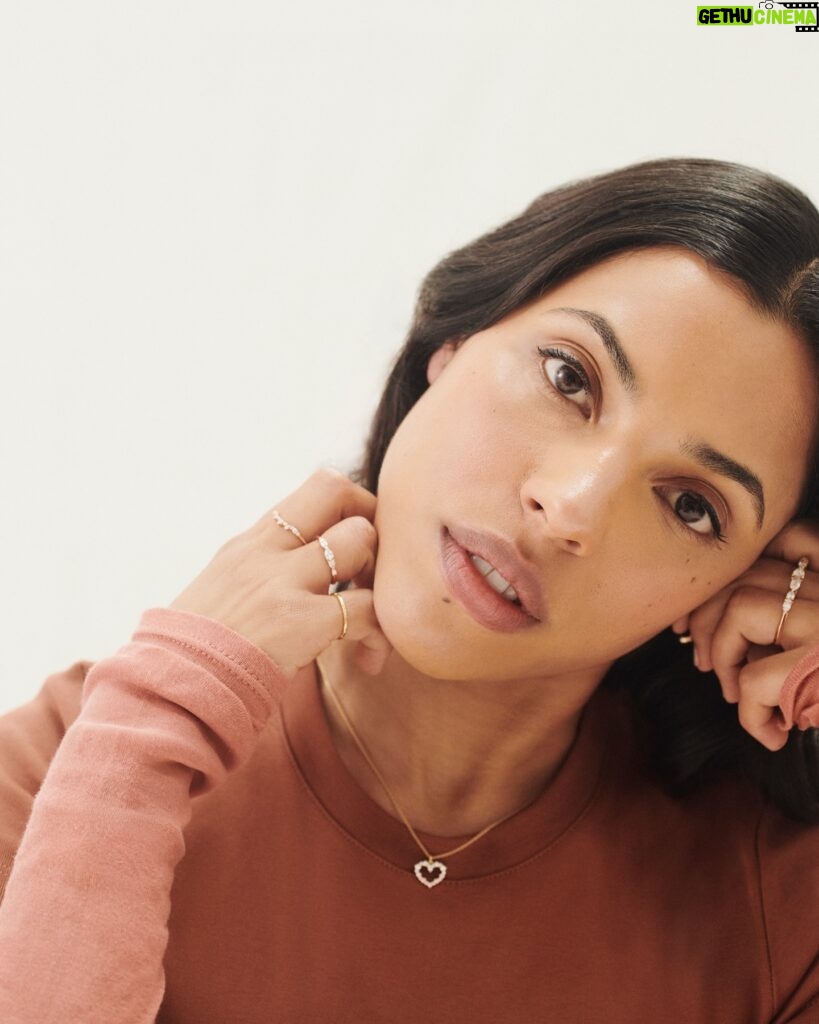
(432, 870)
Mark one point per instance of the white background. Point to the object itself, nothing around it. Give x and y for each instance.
(214, 219)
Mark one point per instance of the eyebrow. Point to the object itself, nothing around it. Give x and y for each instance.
(598, 323)
(710, 458)
(701, 452)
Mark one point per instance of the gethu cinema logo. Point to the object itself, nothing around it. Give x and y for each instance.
(803, 16)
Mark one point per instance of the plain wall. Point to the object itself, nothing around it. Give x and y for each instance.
(213, 222)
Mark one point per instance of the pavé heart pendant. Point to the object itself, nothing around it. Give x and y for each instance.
(430, 872)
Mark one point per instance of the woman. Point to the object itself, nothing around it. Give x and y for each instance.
(479, 778)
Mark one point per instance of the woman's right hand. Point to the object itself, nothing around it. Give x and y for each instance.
(269, 587)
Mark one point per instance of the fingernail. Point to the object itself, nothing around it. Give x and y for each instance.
(696, 658)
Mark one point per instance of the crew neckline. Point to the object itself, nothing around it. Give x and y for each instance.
(524, 835)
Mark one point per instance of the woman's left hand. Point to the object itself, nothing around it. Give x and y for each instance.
(733, 631)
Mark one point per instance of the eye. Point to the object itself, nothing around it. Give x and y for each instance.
(566, 375)
(696, 513)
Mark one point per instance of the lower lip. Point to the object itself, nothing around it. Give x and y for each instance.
(466, 584)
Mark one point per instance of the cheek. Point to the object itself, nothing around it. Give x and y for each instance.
(644, 588)
(456, 436)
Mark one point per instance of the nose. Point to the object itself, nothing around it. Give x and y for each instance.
(569, 499)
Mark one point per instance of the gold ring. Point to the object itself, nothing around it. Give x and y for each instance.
(343, 632)
(329, 557)
(797, 576)
(288, 526)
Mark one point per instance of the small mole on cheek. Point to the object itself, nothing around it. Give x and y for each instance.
(447, 600)
(693, 579)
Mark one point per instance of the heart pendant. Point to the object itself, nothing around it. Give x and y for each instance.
(430, 872)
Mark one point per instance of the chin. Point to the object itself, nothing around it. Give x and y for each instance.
(430, 634)
(422, 632)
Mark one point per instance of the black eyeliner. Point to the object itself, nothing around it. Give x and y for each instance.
(573, 361)
(712, 515)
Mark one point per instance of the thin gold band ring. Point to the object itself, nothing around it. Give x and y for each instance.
(341, 601)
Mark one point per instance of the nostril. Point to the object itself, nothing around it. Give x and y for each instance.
(560, 518)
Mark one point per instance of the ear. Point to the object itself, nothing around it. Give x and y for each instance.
(439, 359)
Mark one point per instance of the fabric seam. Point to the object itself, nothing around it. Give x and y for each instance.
(265, 694)
(768, 952)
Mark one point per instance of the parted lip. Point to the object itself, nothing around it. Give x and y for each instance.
(505, 557)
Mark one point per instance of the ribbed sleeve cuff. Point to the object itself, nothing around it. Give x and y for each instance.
(254, 676)
(799, 697)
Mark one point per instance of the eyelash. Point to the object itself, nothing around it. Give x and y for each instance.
(717, 536)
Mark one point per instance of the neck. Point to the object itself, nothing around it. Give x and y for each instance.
(455, 754)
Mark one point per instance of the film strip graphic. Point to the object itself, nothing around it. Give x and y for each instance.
(798, 7)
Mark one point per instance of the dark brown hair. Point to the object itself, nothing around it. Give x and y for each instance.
(750, 224)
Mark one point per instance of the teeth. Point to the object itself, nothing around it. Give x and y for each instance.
(494, 578)
(483, 566)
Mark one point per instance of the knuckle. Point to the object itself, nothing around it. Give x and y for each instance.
(236, 550)
(363, 530)
(328, 476)
(229, 546)
(740, 599)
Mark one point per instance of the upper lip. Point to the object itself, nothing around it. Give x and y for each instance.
(505, 557)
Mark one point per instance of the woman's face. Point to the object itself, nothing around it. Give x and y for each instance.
(631, 481)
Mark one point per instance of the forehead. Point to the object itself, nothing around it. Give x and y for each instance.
(707, 365)
(665, 295)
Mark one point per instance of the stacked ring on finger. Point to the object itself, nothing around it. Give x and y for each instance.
(327, 551)
(329, 558)
(797, 576)
(288, 526)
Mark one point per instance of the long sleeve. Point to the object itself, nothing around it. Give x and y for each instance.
(29, 737)
(83, 924)
(799, 700)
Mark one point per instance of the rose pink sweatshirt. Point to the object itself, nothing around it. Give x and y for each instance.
(191, 849)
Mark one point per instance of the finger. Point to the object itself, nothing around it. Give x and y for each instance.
(362, 626)
(681, 625)
(768, 574)
(703, 621)
(365, 579)
(764, 724)
(325, 498)
(760, 688)
(353, 545)
(799, 538)
(750, 617)
(801, 625)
